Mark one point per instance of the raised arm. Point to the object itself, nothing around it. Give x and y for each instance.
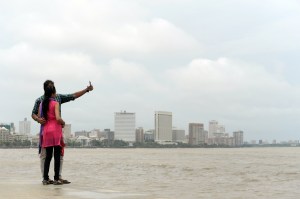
(82, 92)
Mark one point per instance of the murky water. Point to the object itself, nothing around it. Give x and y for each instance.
(156, 173)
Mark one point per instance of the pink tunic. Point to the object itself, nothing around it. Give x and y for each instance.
(52, 133)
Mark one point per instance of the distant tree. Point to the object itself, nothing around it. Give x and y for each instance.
(95, 143)
(120, 144)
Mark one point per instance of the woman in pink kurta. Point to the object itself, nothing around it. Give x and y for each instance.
(51, 134)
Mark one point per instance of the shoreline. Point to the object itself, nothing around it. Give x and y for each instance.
(171, 147)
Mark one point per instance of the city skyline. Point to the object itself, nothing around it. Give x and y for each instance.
(218, 128)
(201, 60)
(201, 136)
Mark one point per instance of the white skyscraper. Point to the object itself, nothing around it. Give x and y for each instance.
(125, 126)
(212, 128)
(215, 129)
(24, 127)
(163, 126)
(238, 138)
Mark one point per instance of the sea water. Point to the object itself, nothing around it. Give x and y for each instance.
(156, 173)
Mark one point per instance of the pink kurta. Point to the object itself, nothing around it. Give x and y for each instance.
(52, 133)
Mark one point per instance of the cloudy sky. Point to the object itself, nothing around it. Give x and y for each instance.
(232, 61)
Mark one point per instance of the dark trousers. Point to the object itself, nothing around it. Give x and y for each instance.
(49, 153)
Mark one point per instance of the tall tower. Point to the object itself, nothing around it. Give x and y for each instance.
(125, 126)
(238, 137)
(197, 135)
(139, 135)
(212, 128)
(24, 127)
(163, 126)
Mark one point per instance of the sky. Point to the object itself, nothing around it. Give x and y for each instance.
(232, 61)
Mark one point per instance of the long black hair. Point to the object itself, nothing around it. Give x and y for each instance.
(49, 90)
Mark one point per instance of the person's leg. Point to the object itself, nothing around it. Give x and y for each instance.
(61, 165)
(42, 160)
(64, 181)
(57, 153)
(49, 152)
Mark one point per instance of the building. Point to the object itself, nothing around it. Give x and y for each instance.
(5, 136)
(83, 140)
(109, 135)
(20, 137)
(24, 127)
(215, 129)
(95, 134)
(81, 133)
(10, 127)
(197, 134)
(238, 138)
(230, 141)
(219, 140)
(204, 137)
(178, 135)
(221, 129)
(125, 126)
(163, 126)
(149, 135)
(67, 131)
(139, 135)
(212, 128)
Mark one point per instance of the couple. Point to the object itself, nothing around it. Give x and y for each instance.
(47, 112)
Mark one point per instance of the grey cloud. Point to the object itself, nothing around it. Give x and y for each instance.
(144, 56)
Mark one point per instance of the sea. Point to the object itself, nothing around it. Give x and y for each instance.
(137, 173)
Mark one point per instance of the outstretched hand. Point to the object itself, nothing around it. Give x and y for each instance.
(90, 87)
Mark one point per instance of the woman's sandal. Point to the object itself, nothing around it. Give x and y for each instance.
(57, 182)
(64, 181)
(47, 182)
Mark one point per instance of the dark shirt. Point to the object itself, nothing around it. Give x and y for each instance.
(59, 98)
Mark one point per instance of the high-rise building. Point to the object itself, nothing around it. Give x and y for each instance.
(221, 129)
(125, 126)
(24, 127)
(139, 135)
(149, 135)
(178, 135)
(163, 126)
(12, 128)
(212, 128)
(238, 138)
(203, 137)
(215, 129)
(197, 134)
